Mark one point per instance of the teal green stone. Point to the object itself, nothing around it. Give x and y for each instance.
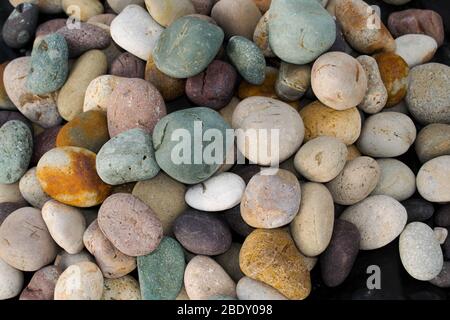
(187, 47)
(300, 30)
(161, 272)
(248, 59)
(183, 151)
(49, 65)
(16, 148)
(127, 157)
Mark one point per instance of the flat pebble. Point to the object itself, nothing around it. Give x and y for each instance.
(127, 157)
(81, 281)
(271, 199)
(11, 193)
(11, 281)
(420, 252)
(25, 242)
(123, 288)
(379, 219)
(261, 36)
(218, 193)
(270, 256)
(98, 92)
(161, 272)
(16, 147)
(312, 227)
(31, 190)
(433, 141)
(113, 263)
(68, 175)
(5, 101)
(396, 180)
(42, 284)
(249, 289)
(204, 278)
(433, 180)
(50, 26)
(202, 233)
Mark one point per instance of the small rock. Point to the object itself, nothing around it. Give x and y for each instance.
(11, 281)
(442, 217)
(31, 190)
(236, 223)
(20, 26)
(376, 95)
(128, 66)
(43, 142)
(124, 288)
(440, 234)
(42, 284)
(433, 141)
(415, 49)
(418, 209)
(293, 81)
(433, 180)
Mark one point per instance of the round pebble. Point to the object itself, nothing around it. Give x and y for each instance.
(433, 180)
(415, 49)
(418, 209)
(433, 141)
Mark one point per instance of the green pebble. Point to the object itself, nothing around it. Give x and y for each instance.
(127, 157)
(169, 146)
(161, 272)
(49, 65)
(248, 59)
(16, 148)
(187, 47)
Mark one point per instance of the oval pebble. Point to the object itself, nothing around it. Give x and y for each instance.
(379, 219)
(11, 281)
(202, 233)
(433, 141)
(418, 209)
(420, 252)
(433, 180)
(218, 193)
(98, 92)
(249, 289)
(415, 49)
(161, 272)
(19, 27)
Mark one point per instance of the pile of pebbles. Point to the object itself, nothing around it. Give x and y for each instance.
(92, 205)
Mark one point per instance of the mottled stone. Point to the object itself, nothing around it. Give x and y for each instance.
(376, 95)
(31, 190)
(123, 288)
(293, 81)
(42, 284)
(415, 49)
(20, 26)
(433, 180)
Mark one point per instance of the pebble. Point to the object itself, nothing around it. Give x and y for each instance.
(49, 65)
(5, 101)
(43, 142)
(312, 227)
(380, 219)
(321, 120)
(428, 94)
(396, 180)
(300, 31)
(442, 217)
(204, 278)
(353, 16)
(417, 21)
(119, 5)
(270, 256)
(214, 87)
(229, 261)
(68, 175)
(356, 181)
(212, 235)
(387, 134)
(64, 260)
(31, 190)
(337, 260)
(42, 284)
(134, 103)
(440, 234)
(394, 72)
(46, 6)
(338, 80)
(218, 193)
(433, 141)
(98, 92)
(188, 171)
(40, 109)
(65, 224)
(128, 66)
(376, 95)
(187, 47)
(16, 147)
(11, 281)
(416, 49)
(113, 263)
(154, 193)
(261, 36)
(87, 130)
(271, 199)
(321, 159)
(71, 97)
(293, 81)
(124, 288)
(418, 209)
(169, 87)
(165, 12)
(84, 38)
(136, 31)
(420, 252)
(161, 272)
(25, 242)
(257, 113)
(442, 280)
(81, 281)
(82, 9)
(433, 180)
(130, 224)
(19, 28)
(127, 157)
(236, 17)
(249, 289)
